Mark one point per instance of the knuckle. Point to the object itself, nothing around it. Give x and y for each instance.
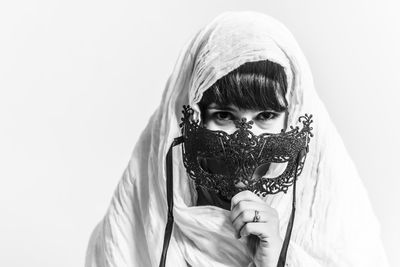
(241, 205)
(234, 200)
(245, 215)
(271, 211)
(243, 195)
(247, 193)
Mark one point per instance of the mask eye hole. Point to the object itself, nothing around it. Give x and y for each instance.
(270, 170)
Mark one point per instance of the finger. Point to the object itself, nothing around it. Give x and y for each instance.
(252, 205)
(262, 230)
(244, 195)
(248, 205)
(247, 216)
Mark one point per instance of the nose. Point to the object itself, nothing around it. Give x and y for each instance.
(246, 123)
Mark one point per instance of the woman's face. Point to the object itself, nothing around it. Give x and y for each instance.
(265, 121)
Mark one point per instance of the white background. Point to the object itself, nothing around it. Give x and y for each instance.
(79, 80)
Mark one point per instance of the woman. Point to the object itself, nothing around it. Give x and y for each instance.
(334, 224)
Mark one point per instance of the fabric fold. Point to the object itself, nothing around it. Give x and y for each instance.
(334, 226)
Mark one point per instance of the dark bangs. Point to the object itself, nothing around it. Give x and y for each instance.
(256, 85)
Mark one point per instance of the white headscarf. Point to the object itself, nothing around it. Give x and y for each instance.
(334, 224)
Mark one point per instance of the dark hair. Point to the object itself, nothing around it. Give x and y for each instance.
(253, 85)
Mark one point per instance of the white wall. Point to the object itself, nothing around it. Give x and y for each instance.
(79, 79)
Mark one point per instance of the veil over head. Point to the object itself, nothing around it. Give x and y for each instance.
(334, 226)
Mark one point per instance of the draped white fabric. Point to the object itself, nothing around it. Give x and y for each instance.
(334, 225)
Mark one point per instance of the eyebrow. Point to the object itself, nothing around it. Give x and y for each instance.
(229, 108)
(216, 106)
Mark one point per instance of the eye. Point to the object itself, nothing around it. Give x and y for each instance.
(223, 116)
(264, 116)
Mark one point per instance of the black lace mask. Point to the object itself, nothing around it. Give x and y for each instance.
(230, 163)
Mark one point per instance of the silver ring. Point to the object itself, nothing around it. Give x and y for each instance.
(256, 216)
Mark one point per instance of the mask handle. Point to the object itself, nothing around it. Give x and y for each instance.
(285, 246)
(170, 201)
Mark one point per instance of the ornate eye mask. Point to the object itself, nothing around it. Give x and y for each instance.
(230, 163)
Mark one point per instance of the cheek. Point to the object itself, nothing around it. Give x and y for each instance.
(278, 124)
(274, 126)
(229, 128)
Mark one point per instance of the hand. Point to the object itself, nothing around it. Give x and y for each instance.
(264, 241)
